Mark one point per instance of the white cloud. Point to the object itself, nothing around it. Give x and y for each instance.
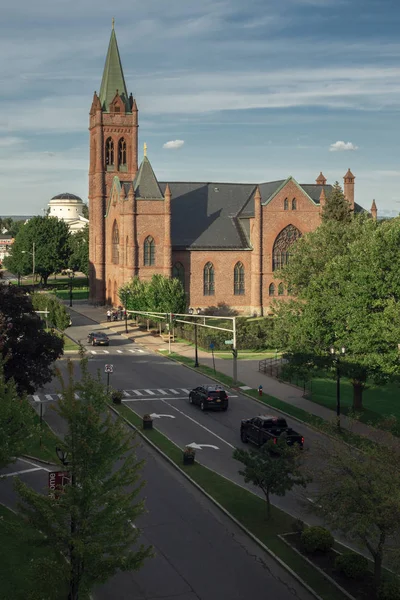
(173, 144)
(341, 146)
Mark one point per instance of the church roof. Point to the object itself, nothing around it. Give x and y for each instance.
(145, 183)
(113, 77)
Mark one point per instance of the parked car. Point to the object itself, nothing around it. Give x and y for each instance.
(97, 338)
(261, 429)
(209, 397)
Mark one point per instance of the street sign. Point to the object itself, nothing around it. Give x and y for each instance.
(57, 481)
(212, 346)
(228, 342)
(108, 368)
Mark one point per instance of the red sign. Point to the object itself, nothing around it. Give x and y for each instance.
(57, 481)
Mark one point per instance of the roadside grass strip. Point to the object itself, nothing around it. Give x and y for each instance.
(21, 547)
(294, 411)
(247, 508)
(46, 451)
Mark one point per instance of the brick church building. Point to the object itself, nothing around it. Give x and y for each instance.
(224, 241)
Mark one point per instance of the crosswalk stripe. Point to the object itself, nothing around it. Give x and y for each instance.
(77, 396)
(132, 351)
(48, 397)
(173, 391)
(161, 391)
(185, 390)
(119, 351)
(141, 351)
(93, 352)
(36, 398)
(106, 352)
(150, 392)
(137, 392)
(125, 393)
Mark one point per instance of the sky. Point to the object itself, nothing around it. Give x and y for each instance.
(227, 90)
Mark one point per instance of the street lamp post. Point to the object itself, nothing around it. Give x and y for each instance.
(196, 357)
(336, 357)
(33, 259)
(71, 277)
(127, 292)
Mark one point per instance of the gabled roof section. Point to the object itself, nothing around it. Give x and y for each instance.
(267, 200)
(116, 184)
(145, 183)
(314, 190)
(113, 77)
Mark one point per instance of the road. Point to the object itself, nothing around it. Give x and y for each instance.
(200, 553)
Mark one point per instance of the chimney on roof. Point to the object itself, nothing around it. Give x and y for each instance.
(374, 211)
(348, 188)
(321, 179)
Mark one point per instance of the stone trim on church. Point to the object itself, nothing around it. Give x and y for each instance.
(225, 241)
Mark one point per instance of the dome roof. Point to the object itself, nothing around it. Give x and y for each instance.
(67, 196)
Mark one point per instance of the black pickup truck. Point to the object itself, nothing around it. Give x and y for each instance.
(260, 430)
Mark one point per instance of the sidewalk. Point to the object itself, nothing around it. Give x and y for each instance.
(248, 372)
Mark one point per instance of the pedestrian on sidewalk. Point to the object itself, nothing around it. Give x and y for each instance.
(109, 315)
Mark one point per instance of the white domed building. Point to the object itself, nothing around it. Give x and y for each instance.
(69, 208)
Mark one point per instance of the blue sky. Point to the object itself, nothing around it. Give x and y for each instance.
(256, 90)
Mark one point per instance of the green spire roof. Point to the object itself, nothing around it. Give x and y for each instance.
(113, 77)
(145, 183)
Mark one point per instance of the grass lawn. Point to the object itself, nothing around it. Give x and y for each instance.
(247, 354)
(249, 509)
(76, 294)
(20, 544)
(70, 345)
(379, 402)
(46, 450)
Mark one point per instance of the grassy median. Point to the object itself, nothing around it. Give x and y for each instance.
(247, 508)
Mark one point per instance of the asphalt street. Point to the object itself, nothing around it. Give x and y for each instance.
(199, 553)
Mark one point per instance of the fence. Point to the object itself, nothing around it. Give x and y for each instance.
(274, 367)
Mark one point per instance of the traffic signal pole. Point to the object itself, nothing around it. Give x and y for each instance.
(234, 352)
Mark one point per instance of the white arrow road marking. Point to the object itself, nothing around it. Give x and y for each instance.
(199, 424)
(155, 416)
(201, 446)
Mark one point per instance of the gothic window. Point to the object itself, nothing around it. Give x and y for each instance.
(238, 285)
(149, 252)
(122, 153)
(178, 272)
(109, 152)
(281, 249)
(294, 204)
(271, 289)
(115, 244)
(280, 289)
(285, 204)
(208, 279)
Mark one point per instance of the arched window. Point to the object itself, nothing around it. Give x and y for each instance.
(281, 289)
(109, 152)
(280, 252)
(178, 272)
(271, 289)
(285, 204)
(149, 251)
(115, 244)
(121, 153)
(208, 279)
(238, 275)
(294, 204)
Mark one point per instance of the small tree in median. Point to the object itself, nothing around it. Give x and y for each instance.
(275, 469)
(91, 522)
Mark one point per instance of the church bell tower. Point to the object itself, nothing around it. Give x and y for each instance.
(113, 132)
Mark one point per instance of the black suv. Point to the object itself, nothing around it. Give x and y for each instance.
(98, 339)
(209, 397)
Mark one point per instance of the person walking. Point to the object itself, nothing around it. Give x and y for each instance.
(109, 315)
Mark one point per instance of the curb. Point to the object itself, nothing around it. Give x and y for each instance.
(40, 460)
(220, 507)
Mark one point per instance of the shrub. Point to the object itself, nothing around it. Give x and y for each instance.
(317, 539)
(298, 526)
(351, 564)
(389, 590)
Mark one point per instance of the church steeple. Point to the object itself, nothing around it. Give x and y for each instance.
(113, 77)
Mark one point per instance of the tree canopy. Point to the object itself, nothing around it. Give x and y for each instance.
(89, 522)
(52, 248)
(79, 247)
(28, 351)
(351, 300)
(336, 207)
(160, 294)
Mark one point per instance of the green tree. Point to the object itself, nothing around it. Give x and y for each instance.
(91, 522)
(352, 302)
(336, 207)
(134, 295)
(52, 250)
(359, 495)
(28, 351)
(58, 316)
(85, 211)
(275, 469)
(16, 421)
(166, 295)
(79, 246)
